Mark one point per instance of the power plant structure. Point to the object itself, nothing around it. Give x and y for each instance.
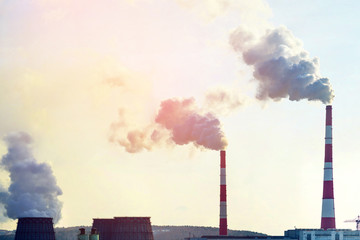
(124, 228)
(328, 206)
(328, 229)
(39, 228)
(94, 235)
(139, 228)
(223, 211)
(117, 228)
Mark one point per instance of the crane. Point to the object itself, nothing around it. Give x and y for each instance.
(357, 220)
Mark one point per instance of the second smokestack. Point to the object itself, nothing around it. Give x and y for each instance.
(328, 209)
(223, 212)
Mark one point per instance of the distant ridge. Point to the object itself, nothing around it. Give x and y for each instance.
(160, 232)
(181, 232)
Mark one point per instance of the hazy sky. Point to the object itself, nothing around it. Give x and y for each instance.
(79, 76)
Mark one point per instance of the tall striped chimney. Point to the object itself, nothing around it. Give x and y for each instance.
(223, 215)
(328, 209)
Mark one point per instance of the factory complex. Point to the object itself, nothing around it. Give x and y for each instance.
(328, 229)
(139, 228)
(296, 234)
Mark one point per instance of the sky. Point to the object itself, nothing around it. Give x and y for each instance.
(86, 81)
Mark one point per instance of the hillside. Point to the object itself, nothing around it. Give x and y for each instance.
(160, 232)
(180, 232)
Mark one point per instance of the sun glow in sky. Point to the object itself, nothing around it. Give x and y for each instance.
(79, 76)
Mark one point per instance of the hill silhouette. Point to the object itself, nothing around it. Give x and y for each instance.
(160, 232)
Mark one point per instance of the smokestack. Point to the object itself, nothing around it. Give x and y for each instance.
(328, 209)
(223, 214)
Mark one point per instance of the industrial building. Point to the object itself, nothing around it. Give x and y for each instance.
(296, 234)
(320, 234)
(124, 228)
(39, 228)
(327, 230)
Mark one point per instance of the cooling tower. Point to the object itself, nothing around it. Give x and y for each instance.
(124, 228)
(104, 227)
(223, 213)
(328, 209)
(30, 228)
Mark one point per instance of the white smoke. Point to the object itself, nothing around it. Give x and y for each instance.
(33, 191)
(281, 66)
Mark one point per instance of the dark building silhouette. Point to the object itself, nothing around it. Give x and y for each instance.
(124, 228)
(35, 228)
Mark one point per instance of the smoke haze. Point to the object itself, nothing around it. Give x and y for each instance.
(223, 101)
(281, 66)
(254, 13)
(33, 191)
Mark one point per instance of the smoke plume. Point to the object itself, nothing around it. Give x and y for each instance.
(281, 66)
(177, 121)
(187, 125)
(33, 190)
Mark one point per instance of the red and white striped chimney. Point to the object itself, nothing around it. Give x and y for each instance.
(223, 214)
(328, 208)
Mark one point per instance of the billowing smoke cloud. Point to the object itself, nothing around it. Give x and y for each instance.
(33, 191)
(187, 125)
(3, 196)
(281, 66)
(179, 122)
